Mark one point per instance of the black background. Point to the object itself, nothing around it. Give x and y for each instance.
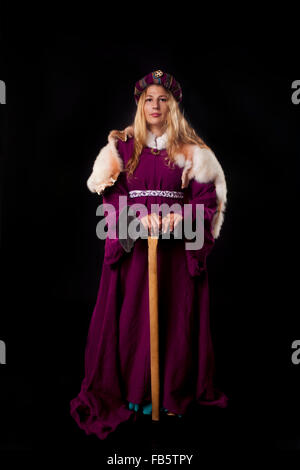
(68, 84)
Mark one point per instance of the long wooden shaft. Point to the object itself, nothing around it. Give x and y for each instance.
(154, 330)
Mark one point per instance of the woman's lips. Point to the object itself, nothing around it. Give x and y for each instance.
(155, 114)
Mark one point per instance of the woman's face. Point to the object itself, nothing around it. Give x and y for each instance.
(156, 106)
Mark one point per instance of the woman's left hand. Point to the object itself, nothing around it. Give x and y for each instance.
(171, 221)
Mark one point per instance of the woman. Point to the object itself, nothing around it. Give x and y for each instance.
(159, 159)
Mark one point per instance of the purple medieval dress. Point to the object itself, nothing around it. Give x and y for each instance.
(117, 354)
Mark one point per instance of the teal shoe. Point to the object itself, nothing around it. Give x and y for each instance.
(133, 406)
(147, 409)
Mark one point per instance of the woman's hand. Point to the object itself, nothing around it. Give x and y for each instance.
(171, 221)
(152, 222)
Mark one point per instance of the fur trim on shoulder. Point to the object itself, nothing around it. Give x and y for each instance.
(198, 163)
(108, 163)
(202, 164)
(122, 135)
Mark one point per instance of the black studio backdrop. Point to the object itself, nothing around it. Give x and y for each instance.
(66, 89)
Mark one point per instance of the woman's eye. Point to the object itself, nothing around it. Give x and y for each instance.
(161, 99)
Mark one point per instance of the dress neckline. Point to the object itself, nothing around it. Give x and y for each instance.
(157, 143)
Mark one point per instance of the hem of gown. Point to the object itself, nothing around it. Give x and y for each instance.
(216, 399)
(99, 414)
(220, 400)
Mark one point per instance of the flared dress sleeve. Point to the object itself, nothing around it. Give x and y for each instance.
(114, 250)
(200, 193)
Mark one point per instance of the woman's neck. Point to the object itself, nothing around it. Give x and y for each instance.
(157, 131)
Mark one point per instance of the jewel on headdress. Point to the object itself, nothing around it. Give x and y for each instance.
(157, 74)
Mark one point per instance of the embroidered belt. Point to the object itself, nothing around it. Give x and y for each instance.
(155, 192)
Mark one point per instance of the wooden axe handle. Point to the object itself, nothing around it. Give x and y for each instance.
(154, 330)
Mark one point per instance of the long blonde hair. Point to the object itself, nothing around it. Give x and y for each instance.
(178, 130)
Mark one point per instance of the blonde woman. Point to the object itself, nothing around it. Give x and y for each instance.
(157, 160)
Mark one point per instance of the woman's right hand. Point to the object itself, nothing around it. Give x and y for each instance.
(152, 223)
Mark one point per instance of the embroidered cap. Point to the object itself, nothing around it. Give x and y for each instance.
(158, 78)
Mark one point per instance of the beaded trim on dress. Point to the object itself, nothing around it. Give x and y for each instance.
(155, 192)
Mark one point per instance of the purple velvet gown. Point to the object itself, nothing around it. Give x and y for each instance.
(117, 354)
